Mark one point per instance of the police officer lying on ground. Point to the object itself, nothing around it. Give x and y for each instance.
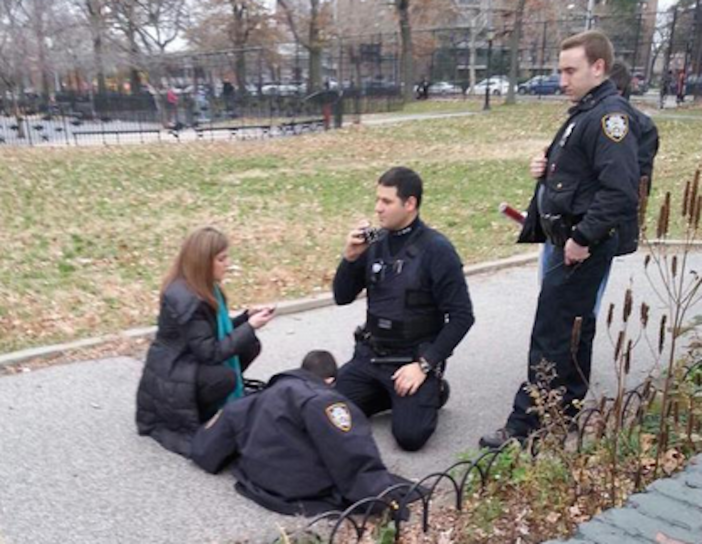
(298, 446)
(588, 186)
(419, 310)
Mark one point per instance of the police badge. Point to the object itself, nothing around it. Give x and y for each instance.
(339, 415)
(616, 126)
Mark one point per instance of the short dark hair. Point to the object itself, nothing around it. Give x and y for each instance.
(406, 181)
(596, 44)
(320, 363)
(621, 77)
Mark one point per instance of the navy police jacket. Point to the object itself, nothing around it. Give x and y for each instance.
(298, 447)
(592, 175)
(426, 295)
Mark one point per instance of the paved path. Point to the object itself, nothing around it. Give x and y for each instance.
(669, 512)
(73, 470)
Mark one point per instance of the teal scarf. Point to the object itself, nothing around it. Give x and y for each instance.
(224, 328)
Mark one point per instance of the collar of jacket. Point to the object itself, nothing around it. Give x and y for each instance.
(594, 97)
(300, 374)
(181, 300)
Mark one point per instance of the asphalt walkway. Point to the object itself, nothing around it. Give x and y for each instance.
(73, 470)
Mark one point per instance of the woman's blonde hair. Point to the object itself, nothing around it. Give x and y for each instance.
(195, 263)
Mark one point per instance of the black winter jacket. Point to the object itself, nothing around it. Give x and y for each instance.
(592, 175)
(186, 338)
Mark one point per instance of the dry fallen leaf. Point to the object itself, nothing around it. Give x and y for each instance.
(662, 539)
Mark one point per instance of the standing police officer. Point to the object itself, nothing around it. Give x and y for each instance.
(587, 187)
(419, 310)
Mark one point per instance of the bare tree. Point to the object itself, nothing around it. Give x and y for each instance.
(149, 28)
(317, 20)
(237, 24)
(95, 14)
(37, 13)
(515, 40)
(11, 53)
(402, 8)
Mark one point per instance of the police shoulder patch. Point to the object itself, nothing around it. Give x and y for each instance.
(615, 126)
(340, 416)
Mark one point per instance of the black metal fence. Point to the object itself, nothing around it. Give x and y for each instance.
(472, 476)
(74, 120)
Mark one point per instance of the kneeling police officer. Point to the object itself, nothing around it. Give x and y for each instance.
(419, 310)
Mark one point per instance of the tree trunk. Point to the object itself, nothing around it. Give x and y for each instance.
(314, 82)
(240, 39)
(41, 51)
(99, 65)
(134, 77)
(473, 59)
(240, 67)
(407, 60)
(515, 39)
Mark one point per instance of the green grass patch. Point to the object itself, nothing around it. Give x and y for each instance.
(89, 232)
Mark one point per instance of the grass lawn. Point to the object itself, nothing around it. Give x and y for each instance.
(87, 233)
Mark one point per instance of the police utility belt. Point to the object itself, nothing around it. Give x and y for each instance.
(558, 228)
(397, 342)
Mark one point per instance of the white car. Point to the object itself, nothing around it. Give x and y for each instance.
(444, 88)
(282, 89)
(498, 85)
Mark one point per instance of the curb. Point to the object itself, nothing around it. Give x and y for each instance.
(285, 307)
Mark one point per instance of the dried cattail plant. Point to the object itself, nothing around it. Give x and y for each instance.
(575, 335)
(620, 343)
(627, 357)
(628, 303)
(691, 199)
(645, 308)
(661, 333)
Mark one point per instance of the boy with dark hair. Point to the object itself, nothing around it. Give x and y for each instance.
(322, 364)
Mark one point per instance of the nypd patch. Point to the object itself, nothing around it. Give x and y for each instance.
(616, 126)
(340, 416)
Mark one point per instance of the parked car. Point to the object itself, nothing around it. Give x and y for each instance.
(693, 84)
(442, 88)
(282, 89)
(498, 85)
(379, 87)
(541, 85)
(639, 85)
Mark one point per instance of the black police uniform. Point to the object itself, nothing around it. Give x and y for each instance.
(648, 148)
(418, 306)
(589, 190)
(298, 447)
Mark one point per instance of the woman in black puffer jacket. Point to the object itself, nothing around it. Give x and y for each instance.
(197, 359)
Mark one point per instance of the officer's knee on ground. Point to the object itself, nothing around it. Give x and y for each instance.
(412, 439)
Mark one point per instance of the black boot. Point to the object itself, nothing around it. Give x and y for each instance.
(444, 393)
(500, 437)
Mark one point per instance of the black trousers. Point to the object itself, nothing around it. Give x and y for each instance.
(215, 382)
(567, 293)
(371, 388)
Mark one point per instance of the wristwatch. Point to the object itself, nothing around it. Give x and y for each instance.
(425, 366)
